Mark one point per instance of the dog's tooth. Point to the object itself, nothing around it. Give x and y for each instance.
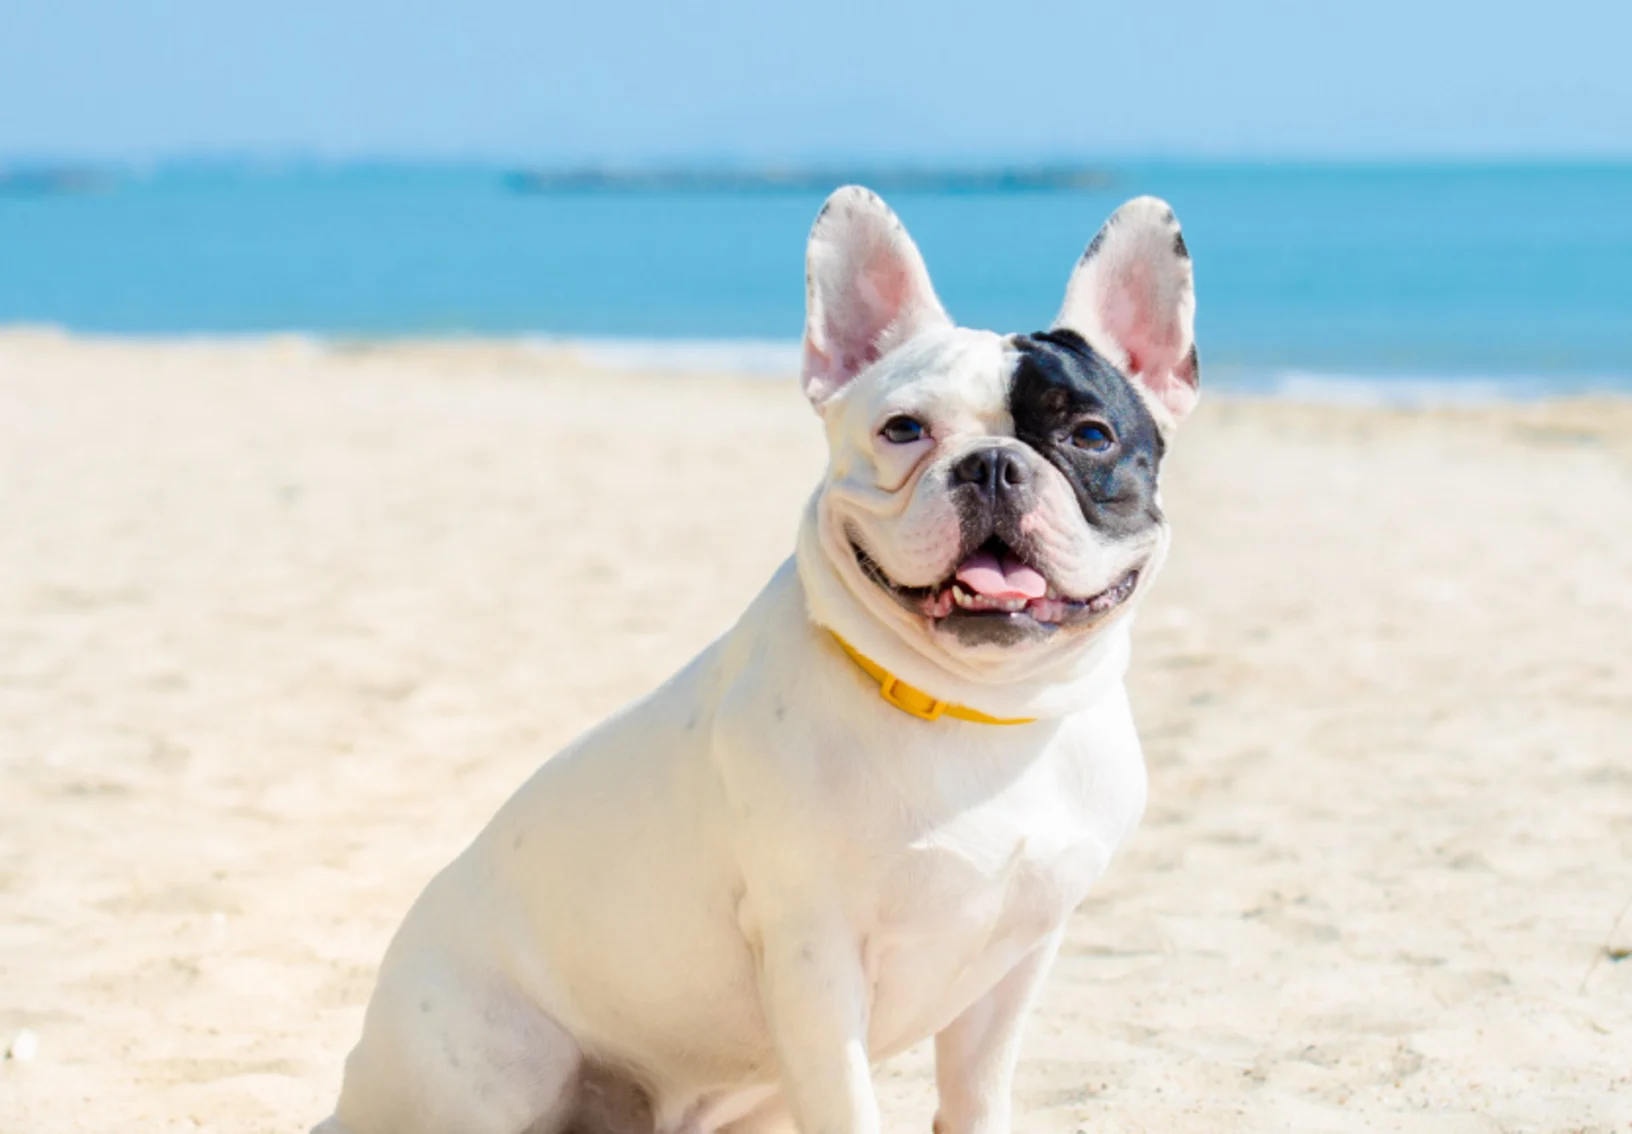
(961, 597)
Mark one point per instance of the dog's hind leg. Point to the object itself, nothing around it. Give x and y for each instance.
(445, 1053)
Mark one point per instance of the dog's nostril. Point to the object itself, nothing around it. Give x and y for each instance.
(976, 468)
(1013, 472)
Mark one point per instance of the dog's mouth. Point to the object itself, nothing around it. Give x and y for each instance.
(995, 583)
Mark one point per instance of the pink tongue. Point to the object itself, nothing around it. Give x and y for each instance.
(1007, 578)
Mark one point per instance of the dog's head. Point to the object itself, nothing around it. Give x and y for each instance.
(993, 498)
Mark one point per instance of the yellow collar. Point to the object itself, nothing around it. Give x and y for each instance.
(914, 701)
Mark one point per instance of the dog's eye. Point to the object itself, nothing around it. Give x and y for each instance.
(1093, 436)
(902, 430)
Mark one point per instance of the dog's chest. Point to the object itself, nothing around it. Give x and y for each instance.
(968, 894)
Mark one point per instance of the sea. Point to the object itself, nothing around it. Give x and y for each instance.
(1369, 281)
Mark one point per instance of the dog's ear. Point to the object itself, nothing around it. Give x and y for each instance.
(866, 290)
(1133, 298)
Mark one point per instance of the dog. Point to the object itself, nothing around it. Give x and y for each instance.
(862, 817)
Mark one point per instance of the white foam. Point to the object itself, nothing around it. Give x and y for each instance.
(1426, 390)
(770, 358)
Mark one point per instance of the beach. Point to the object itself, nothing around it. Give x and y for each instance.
(283, 621)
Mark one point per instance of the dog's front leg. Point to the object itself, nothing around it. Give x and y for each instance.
(975, 1054)
(815, 1002)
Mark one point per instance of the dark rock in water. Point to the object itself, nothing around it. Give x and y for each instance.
(52, 182)
(802, 180)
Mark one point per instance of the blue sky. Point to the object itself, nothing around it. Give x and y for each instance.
(647, 80)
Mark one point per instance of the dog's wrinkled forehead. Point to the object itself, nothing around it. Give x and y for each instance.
(960, 379)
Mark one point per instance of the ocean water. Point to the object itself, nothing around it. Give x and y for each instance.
(1458, 279)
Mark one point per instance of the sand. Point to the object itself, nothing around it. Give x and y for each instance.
(282, 623)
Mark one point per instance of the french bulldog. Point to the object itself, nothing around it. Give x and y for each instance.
(862, 817)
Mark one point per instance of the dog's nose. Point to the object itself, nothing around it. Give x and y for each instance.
(993, 471)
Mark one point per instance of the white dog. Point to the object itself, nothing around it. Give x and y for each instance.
(862, 817)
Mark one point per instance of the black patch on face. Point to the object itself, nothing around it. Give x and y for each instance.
(1061, 382)
(1180, 248)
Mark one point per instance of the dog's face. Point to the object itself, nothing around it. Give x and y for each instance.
(993, 498)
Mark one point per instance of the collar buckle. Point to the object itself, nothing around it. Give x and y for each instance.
(924, 707)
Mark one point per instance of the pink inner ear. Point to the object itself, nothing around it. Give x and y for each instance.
(1143, 320)
(858, 326)
(886, 288)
